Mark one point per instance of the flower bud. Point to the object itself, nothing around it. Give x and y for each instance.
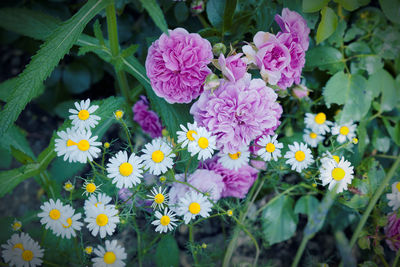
(197, 6)
(300, 91)
(118, 114)
(219, 48)
(212, 82)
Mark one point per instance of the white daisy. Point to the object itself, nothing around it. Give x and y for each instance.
(158, 156)
(193, 204)
(345, 131)
(204, 144)
(312, 138)
(16, 225)
(186, 135)
(236, 160)
(164, 222)
(394, 197)
(125, 172)
(63, 144)
(272, 148)
(53, 215)
(333, 173)
(159, 197)
(94, 200)
(84, 146)
(317, 123)
(14, 248)
(82, 117)
(112, 256)
(68, 186)
(103, 219)
(327, 156)
(299, 156)
(26, 252)
(90, 188)
(72, 223)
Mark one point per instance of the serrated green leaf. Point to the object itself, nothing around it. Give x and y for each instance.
(336, 38)
(314, 5)
(97, 32)
(324, 58)
(15, 138)
(6, 87)
(350, 91)
(382, 82)
(391, 9)
(45, 60)
(327, 25)
(129, 51)
(306, 205)
(167, 252)
(278, 220)
(156, 14)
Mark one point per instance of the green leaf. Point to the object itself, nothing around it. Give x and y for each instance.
(76, 78)
(306, 205)
(156, 14)
(336, 38)
(29, 23)
(349, 5)
(229, 11)
(324, 58)
(97, 32)
(350, 91)
(278, 220)
(46, 59)
(382, 82)
(15, 138)
(6, 87)
(327, 25)
(181, 12)
(394, 131)
(314, 5)
(5, 159)
(215, 11)
(167, 252)
(391, 9)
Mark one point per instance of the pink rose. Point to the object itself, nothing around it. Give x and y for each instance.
(232, 67)
(177, 65)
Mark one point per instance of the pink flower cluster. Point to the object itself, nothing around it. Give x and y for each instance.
(238, 112)
(177, 65)
(281, 57)
(147, 119)
(392, 232)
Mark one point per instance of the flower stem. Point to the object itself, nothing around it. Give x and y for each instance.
(191, 240)
(139, 249)
(396, 260)
(300, 250)
(114, 46)
(373, 201)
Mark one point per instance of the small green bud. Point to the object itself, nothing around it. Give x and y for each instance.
(212, 82)
(219, 48)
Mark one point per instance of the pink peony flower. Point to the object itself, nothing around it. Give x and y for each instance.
(293, 23)
(177, 65)
(232, 67)
(392, 232)
(237, 112)
(237, 183)
(147, 119)
(204, 180)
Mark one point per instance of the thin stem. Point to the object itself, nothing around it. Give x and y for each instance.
(139, 249)
(385, 156)
(396, 260)
(384, 262)
(191, 240)
(300, 250)
(275, 198)
(373, 201)
(128, 136)
(114, 46)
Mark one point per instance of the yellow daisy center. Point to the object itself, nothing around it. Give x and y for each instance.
(189, 135)
(69, 223)
(19, 245)
(270, 147)
(165, 220)
(159, 198)
(68, 186)
(90, 187)
(336, 158)
(338, 174)
(119, 114)
(54, 214)
(203, 142)
(89, 250)
(344, 130)
(320, 118)
(70, 143)
(16, 225)
(235, 155)
(101, 219)
(109, 257)
(27, 255)
(300, 156)
(313, 135)
(125, 169)
(157, 156)
(83, 114)
(83, 145)
(398, 186)
(194, 208)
